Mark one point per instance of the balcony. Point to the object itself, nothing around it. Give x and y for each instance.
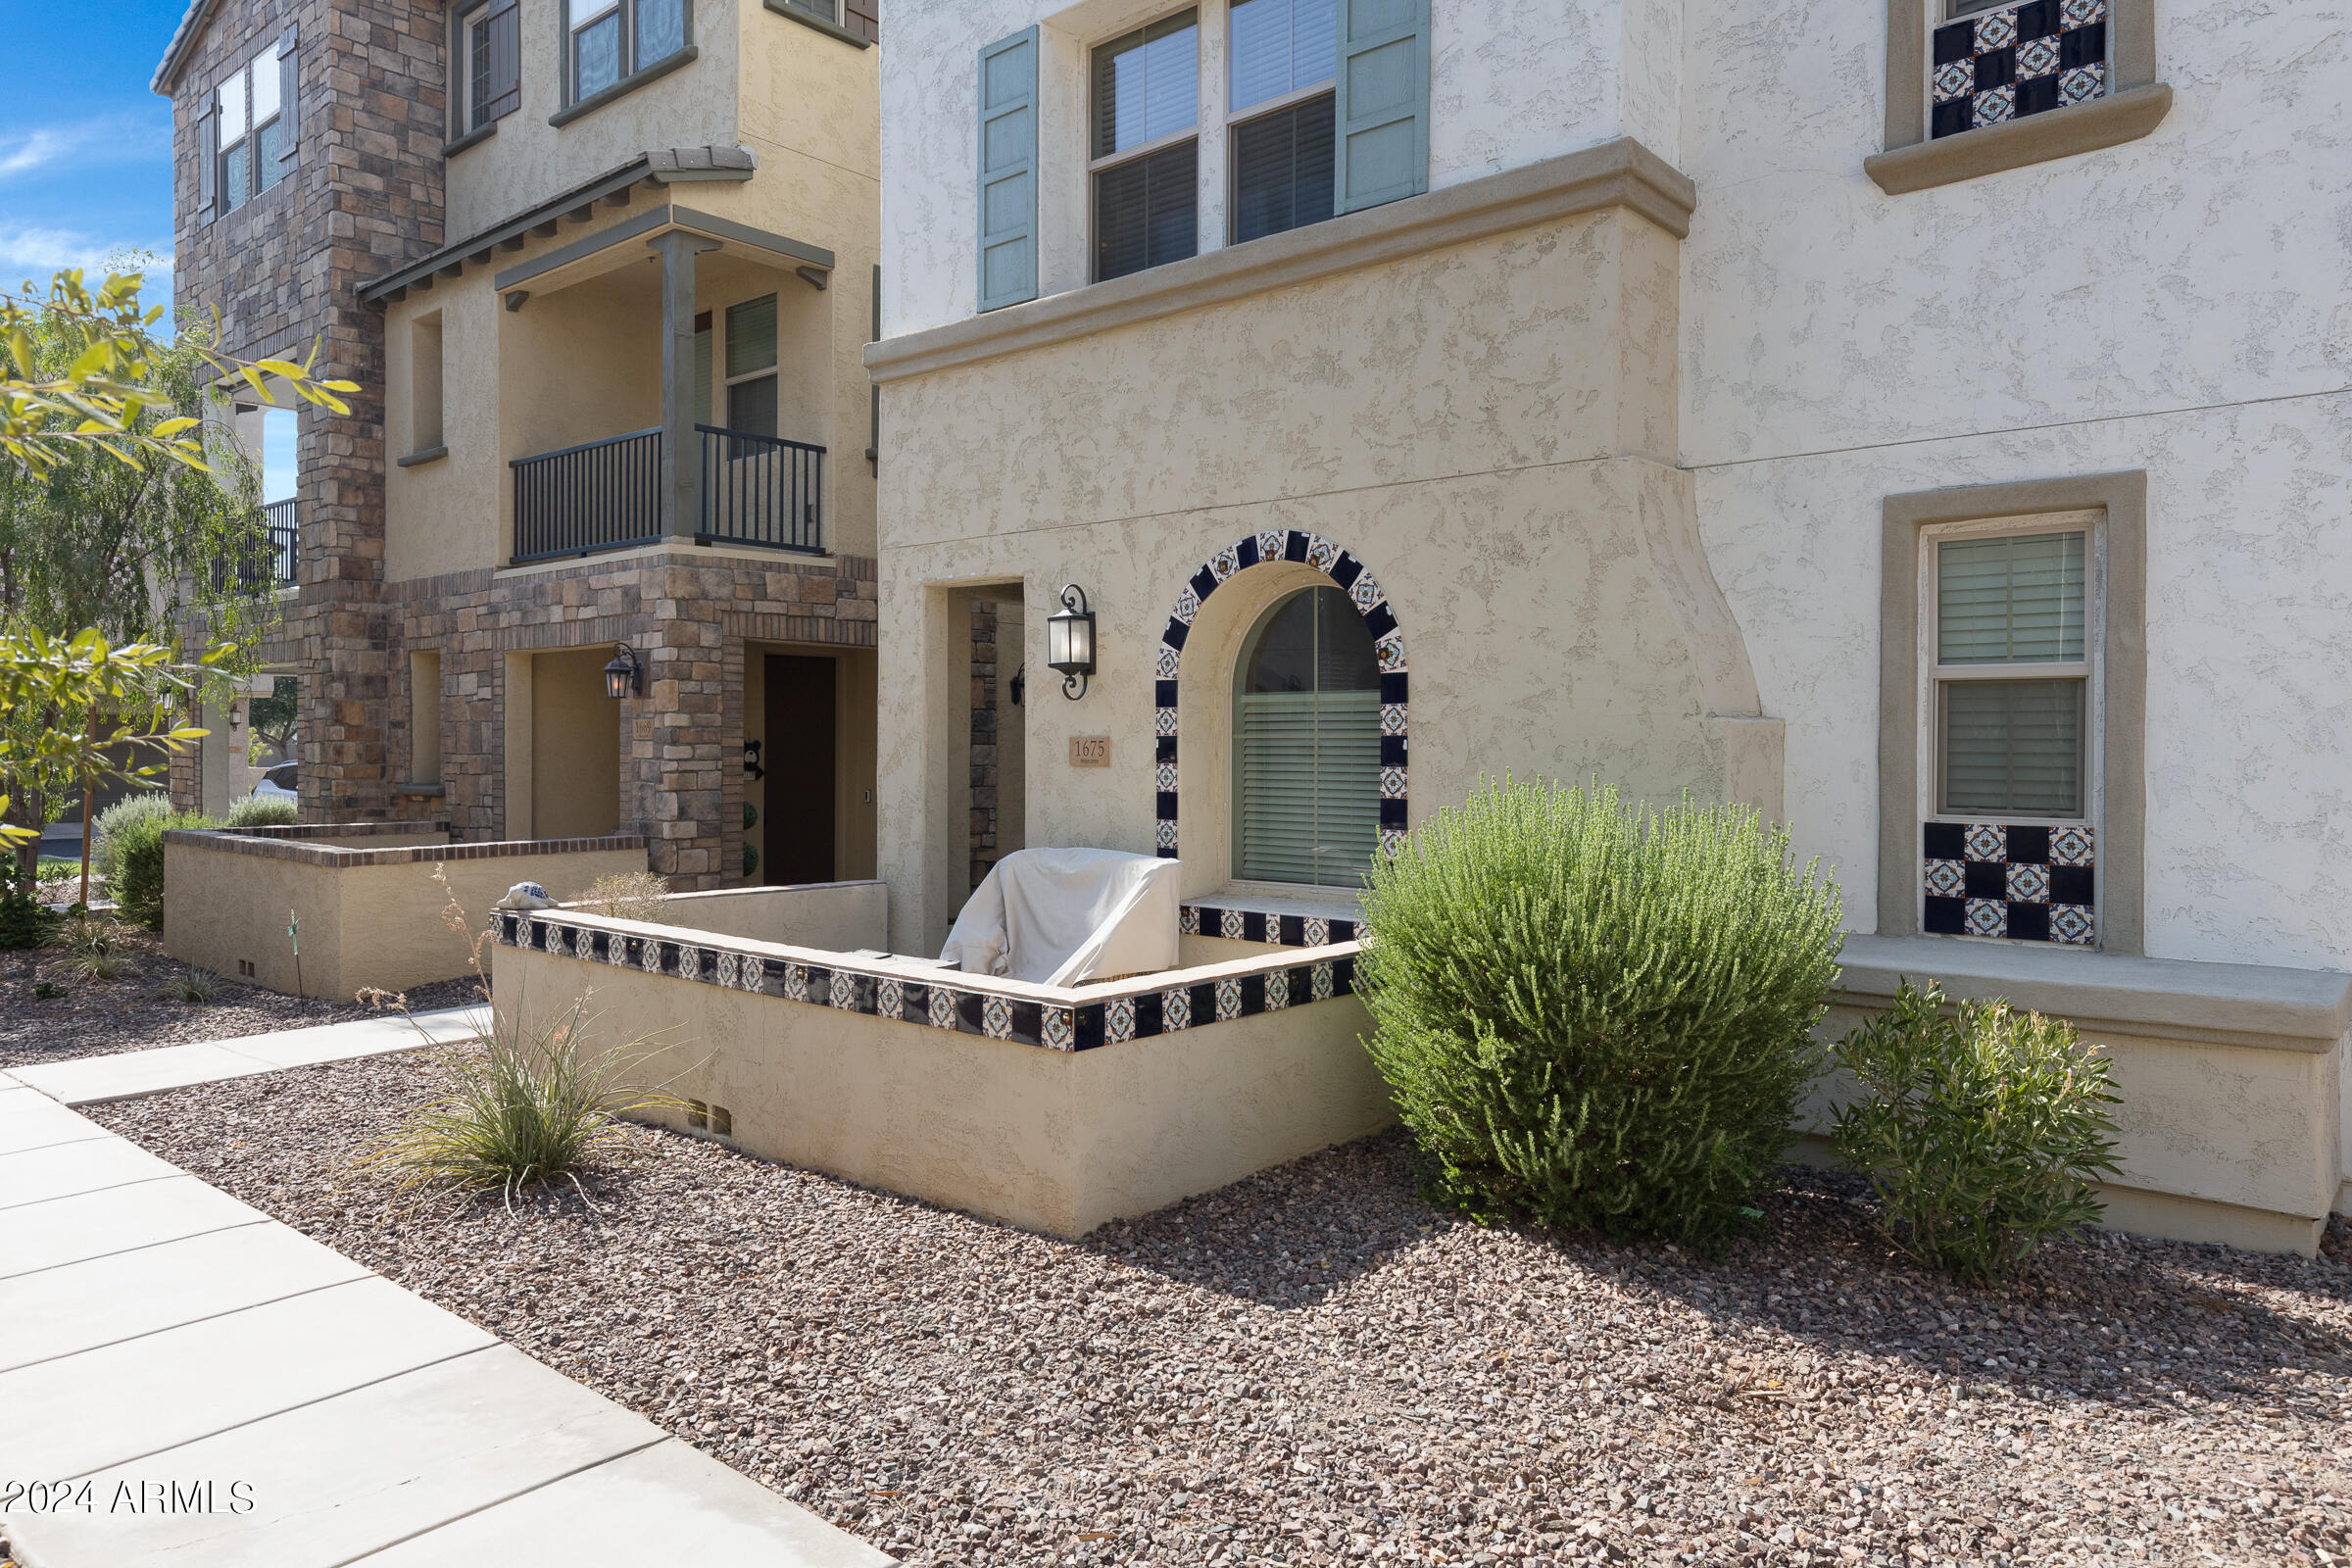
(606, 495)
(269, 559)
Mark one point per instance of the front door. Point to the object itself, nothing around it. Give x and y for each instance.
(799, 757)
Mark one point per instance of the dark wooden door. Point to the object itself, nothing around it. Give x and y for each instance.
(799, 757)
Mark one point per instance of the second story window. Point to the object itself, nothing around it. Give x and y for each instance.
(485, 66)
(245, 135)
(751, 367)
(610, 40)
(1285, 58)
(1145, 148)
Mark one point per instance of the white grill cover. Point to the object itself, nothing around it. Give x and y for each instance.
(1061, 917)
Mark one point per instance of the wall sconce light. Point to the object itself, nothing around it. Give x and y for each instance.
(1071, 642)
(624, 676)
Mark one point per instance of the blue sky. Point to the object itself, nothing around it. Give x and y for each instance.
(85, 149)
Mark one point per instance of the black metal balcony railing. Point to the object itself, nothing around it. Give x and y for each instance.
(285, 543)
(602, 495)
(268, 559)
(758, 490)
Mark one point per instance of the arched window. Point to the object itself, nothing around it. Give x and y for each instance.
(1306, 744)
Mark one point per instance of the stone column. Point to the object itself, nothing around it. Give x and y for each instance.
(681, 448)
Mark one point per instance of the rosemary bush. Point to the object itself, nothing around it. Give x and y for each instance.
(152, 804)
(262, 811)
(135, 863)
(1980, 1127)
(1597, 1018)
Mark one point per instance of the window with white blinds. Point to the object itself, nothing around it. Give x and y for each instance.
(1142, 151)
(2012, 675)
(1306, 744)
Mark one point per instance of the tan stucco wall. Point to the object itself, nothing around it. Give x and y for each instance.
(528, 160)
(579, 360)
(1053, 1140)
(839, 916)
(1488, 426)
(364, 925)
(2218, 1143)
(575, 746)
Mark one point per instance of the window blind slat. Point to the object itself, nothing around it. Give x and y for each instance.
(2010, 599)
(2013, 747)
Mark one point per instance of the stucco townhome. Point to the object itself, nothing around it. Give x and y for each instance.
(1924, 419)
(604, 270)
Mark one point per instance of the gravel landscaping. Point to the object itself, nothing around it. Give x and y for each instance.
(1313, 1366)
(137, 1011)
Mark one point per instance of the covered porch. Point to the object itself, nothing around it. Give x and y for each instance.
(666, 378)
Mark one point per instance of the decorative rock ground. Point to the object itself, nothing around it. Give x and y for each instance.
(1315, 1367)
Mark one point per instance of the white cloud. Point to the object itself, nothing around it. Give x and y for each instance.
(109, 137)
(27, 252)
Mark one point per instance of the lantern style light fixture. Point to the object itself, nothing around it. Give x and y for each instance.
(624, 676)
(1071, 642)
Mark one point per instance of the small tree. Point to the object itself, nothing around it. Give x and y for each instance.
(94, 400)
(77, 714)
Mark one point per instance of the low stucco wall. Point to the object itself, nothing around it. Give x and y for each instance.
(839, 916)
(368, 917)
(2229, 1077)
(1052, 1140)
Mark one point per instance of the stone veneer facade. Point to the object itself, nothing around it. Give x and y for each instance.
(282, 271)
(688, 614)
(364, 197)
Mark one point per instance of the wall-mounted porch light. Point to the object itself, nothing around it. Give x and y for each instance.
(624, 676)
(1071, 642)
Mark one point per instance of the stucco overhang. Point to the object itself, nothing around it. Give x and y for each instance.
(1621, 173)
(660, 167)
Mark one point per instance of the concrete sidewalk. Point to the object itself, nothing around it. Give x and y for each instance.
(128, 1074)
(220, 1389)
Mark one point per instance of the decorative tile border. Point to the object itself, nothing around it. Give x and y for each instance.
(2025, 883)
(1079, 1026)
(1259, 925)
(1352, 578)
(1997, 66)
(291, 844)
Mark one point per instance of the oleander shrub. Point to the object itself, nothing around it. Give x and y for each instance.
(1597, 1017)
(1981, 1128)
(627, 896)
(262, 811)
(135, 871)
(130, 808)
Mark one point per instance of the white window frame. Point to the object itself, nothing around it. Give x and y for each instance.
(224, 143)
(472, 20)
(1097, 166)
(1934, 676)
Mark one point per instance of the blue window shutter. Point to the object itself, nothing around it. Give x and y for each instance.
(1008, 170)
(1383, 109)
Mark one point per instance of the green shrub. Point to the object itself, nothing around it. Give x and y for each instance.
(262, 811)
(24, 921)
(47, 991)
(135, 874)
(1598, 1018)
(196, 986)
(1980, 1127)
(130, 808)
(521, 1111)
